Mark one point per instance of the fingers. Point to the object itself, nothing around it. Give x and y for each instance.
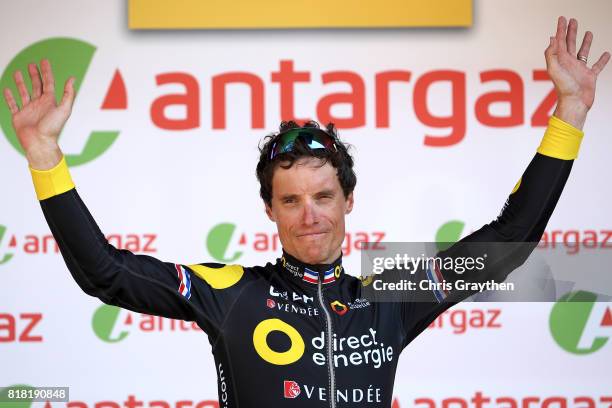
(550, 52)
(551, 49)
(47, 77)
(47, 85)
(571, 36)
(561, 33)
(21, 88)
(601, 63)
(68, 97)
(586, 45)
(36, 84)
(10, 101)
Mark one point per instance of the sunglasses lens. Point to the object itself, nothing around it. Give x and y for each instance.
(313, 138)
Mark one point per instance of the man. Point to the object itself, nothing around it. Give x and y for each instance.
(297, 333)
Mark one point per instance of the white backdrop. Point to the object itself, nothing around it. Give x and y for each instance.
(177, 185)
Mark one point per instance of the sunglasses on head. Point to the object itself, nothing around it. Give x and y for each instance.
(312, 137)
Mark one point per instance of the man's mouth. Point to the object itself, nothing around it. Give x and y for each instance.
(312, 234)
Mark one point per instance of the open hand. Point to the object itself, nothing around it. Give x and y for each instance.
(573, 79)
(40, 120)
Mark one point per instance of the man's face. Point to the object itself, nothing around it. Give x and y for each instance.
(308, 206)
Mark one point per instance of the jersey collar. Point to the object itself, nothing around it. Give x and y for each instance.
(309, 273)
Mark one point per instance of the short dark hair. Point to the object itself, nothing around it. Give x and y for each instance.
(340, 159)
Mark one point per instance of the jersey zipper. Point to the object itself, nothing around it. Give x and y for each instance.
(329, 338)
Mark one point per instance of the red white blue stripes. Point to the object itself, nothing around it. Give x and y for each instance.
(310, 276)
(313, 277)
(184, 281)
(329, 276)
(435, 276)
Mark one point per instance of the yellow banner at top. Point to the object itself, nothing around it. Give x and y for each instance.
(279, 14)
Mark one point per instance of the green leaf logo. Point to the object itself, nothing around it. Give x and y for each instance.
(218, 241)
(7, 402)
(569, 323)
(449, 233)
(7, 257)
(105, 324)
(69, 57)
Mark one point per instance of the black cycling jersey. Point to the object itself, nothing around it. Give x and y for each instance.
(288, 334)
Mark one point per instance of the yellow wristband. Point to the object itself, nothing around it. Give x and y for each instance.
(561, 140)
(49, 183)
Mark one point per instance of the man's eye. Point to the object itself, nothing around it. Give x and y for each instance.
(288, 201)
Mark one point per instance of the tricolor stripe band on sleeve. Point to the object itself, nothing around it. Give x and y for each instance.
(184, 281)
(435, 276)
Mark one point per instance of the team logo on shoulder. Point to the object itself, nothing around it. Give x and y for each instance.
(218, 276)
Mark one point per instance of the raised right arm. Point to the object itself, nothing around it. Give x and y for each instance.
(118, 277)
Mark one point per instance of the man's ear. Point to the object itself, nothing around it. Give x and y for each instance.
(269, 213)
(349, 203)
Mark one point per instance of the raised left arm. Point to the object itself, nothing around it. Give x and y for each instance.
(533, 199)
(511, 237)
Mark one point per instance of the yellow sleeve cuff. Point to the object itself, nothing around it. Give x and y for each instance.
(561, 140)
(49, 183)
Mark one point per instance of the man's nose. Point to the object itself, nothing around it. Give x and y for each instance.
(309, 213)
